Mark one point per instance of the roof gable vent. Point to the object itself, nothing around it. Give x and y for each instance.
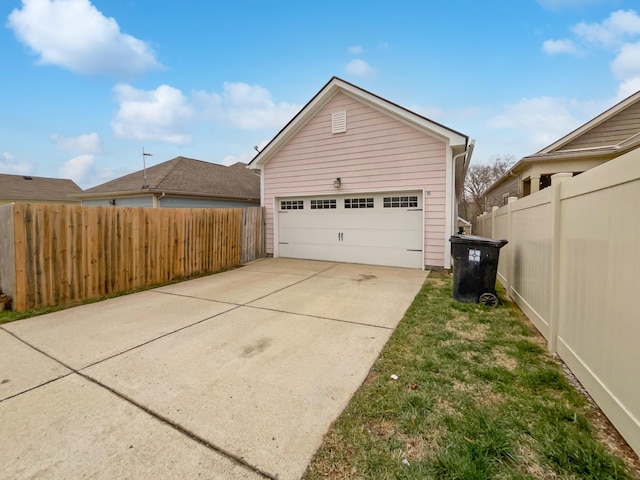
(339, 122)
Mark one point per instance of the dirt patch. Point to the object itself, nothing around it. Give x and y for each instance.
(417, 448)
(529, 462)
(502, 359)
(384, 429)
(474, 333)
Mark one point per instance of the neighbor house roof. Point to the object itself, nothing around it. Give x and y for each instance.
(28, 188)
(455, 139)
(608, 135)
(185, 176)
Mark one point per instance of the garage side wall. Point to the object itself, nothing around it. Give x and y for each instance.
(376, 153)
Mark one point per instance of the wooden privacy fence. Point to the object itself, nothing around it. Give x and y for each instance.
(62, 254)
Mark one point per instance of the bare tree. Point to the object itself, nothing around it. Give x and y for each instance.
(479, 178)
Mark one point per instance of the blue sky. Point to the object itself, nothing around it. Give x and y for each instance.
(86, 84)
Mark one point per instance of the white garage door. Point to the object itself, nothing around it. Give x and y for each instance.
(377, 229)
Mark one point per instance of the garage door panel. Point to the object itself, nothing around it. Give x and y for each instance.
(309, 235)
(378, 235)
(384, 238)
(341, 220)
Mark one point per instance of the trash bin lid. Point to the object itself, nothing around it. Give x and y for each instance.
(476, 240)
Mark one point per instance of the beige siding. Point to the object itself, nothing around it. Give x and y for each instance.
(572, 266)
(612, 131)
(499, 195)
(376, 153)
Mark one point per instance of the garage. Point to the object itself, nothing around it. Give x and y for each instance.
(345, 181)
(377, 228)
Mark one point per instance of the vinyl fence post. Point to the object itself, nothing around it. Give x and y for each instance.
(556, 184)
(511, 247)
(494, 210)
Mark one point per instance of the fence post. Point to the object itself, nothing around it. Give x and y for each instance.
(511, 247)
(494, 210)
(552, 337)
(7, 251)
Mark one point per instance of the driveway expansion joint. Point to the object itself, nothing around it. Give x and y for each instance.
(319, 317)
(184, 431)
(175, 426)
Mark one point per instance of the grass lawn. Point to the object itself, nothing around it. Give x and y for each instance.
(477, 397)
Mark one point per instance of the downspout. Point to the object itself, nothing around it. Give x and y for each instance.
(467, 154)
(156, 200)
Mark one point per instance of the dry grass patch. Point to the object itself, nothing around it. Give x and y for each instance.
(504, 359)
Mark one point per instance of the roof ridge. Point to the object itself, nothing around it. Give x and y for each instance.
(177, 161)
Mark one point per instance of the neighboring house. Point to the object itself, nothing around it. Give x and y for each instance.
(607, 136)
(180, 182)
(30, 189)
(464, 226)
(356, 178)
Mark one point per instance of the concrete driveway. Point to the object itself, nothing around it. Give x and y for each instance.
(232, 376)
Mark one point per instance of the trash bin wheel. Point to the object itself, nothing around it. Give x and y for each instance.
(488, 299)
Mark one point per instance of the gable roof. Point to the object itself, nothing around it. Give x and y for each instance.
(608, 135)
(26, 187)
(185, 176)
(330, 89)
(616, 128)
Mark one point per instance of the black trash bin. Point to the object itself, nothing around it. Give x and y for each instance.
(475, 266)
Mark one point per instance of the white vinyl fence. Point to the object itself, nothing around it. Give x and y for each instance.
(572, 264)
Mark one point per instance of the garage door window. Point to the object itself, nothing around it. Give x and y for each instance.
(291, 205)
(401, 202)
(358, 202)
(323, 204)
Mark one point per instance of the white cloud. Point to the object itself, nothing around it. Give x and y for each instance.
(627, 64)
(8, 164)
(618, 33)
(87, 143)
(359, 68)
(356, 50)
(79, 169)
(628, 87)
(554, 47)
(545, 119)
(244, 106)
(74, 34)
(163, 114)
(619, 27)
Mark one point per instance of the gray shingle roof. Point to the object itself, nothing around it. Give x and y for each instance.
(25, 187)
(188, 176)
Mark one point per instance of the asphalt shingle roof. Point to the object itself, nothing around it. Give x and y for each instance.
(26, 187)
(189, 176)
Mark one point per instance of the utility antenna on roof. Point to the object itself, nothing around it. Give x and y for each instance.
(144, 167)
